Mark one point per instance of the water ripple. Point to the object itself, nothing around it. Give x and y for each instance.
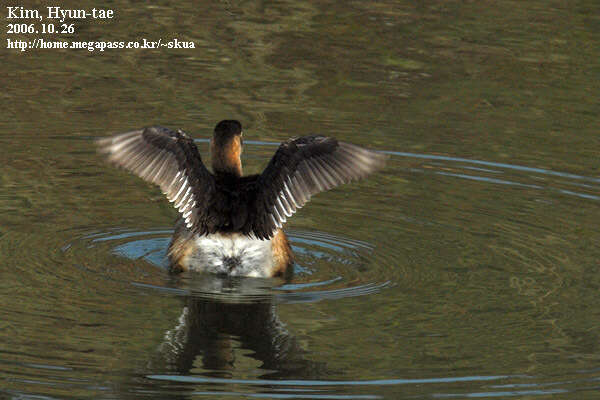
(312, 282)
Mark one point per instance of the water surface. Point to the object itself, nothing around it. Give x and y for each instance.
(467, 268)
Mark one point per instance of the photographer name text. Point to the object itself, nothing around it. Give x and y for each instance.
(61, 14)
(55, 20)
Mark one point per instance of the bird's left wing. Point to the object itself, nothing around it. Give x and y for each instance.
(171, 160)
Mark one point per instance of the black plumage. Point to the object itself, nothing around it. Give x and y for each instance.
(255, 205)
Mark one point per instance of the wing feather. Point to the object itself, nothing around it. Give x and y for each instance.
(301, 168)
(171, 160)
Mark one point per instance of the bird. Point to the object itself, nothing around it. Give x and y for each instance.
(230, 224)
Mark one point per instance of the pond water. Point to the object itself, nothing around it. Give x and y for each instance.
(467, 267)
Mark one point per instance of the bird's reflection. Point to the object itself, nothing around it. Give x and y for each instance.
(223, 314)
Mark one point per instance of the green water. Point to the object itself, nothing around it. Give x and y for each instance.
(468, 267)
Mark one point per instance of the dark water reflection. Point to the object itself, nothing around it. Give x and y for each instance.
(211, 331)
(467, 268)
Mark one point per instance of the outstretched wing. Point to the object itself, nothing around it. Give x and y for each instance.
(170, 160)
(301, 168)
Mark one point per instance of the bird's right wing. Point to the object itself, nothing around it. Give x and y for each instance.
(301, 168)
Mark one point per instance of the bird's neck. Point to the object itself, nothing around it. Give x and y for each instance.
(226, 158)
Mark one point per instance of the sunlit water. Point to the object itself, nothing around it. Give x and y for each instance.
(443, 308)
(466, 268)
